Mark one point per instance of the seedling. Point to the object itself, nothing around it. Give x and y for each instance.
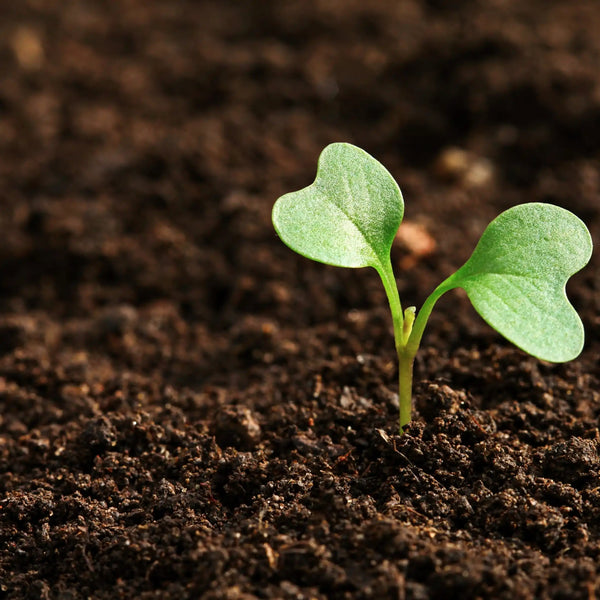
(515, 278)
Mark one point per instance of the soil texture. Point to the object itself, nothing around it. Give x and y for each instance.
(188, 409)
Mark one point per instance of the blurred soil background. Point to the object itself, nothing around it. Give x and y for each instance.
(190, 410)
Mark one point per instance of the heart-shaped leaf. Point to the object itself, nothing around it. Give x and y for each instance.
(348, 217)
(517, 274)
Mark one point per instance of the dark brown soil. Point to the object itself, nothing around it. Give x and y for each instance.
(190, 410)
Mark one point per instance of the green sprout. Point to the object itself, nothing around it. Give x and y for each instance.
(515, 278)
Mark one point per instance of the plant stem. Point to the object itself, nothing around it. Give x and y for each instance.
(411, 341)
(414, 340)
(408, 331)
(405, 376)
(391, 289)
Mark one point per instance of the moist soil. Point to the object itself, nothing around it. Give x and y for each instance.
(188, 409)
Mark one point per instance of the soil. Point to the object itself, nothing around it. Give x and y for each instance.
(188, 409)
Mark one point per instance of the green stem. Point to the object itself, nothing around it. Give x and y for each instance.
(408, 332)
(391, 289)
(405, 376)
(410, 346)
(414, 340)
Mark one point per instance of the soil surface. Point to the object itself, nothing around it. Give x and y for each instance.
(188, 409)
